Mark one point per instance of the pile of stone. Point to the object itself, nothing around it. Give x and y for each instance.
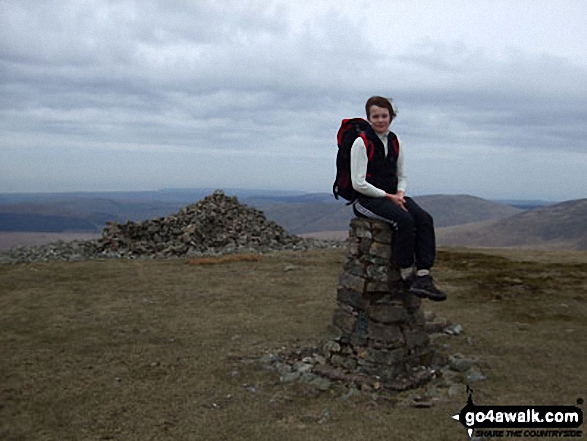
(73, 251)
(326, 367)
(216, 225)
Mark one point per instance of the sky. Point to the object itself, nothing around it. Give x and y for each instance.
(491, 96)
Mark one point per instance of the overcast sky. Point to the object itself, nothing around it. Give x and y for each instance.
(143, 95)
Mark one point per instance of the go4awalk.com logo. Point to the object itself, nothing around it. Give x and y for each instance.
(521, 421)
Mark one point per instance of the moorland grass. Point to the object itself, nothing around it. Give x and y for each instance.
(164, 350)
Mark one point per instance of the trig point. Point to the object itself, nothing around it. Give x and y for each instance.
(379, 328)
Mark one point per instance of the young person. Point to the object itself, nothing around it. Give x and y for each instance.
(380, 182)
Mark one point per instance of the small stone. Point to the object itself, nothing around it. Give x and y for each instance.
(380, 250)
(344, 321)
(420, 402)
(266, 359)
(454, 330)
(459, 363)
(290, 377)
(321, 383)
(475, 374)
(337, 360)
(331, 346)
(319, 359)
(522, 326)
(351, 282)
(283, 368)
(389, 313)
(381, 232)
(308, 377)
(352, 392)
(385, 333)
(302, 367)
(436, 325)
(334, 333)
(351, 298)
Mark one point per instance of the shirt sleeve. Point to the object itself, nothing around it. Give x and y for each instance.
(402, 177)
(359, 171)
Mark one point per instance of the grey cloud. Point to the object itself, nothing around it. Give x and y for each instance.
(253, 78)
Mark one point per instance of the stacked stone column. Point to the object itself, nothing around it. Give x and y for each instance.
(379, 326)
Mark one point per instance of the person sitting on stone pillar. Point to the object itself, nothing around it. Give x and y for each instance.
(380, 182)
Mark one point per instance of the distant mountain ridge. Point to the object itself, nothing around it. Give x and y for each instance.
(463, 209)
(87, 215)
(461, 220)
(562, 225)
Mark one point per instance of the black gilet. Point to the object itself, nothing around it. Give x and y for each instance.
(382, 169)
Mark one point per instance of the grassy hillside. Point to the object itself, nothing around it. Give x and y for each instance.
(81, 214)
(163, 350)
(562, 225)
(463, 209)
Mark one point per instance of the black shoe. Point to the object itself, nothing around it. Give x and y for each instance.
(423, 286)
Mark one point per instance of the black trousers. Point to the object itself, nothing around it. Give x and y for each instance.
(414, 240)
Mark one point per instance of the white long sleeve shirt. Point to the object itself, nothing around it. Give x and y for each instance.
(359, 162)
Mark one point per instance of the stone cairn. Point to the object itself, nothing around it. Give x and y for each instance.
(378, 329)
(216, 225)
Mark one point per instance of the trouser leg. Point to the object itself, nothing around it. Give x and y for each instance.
(425, 239)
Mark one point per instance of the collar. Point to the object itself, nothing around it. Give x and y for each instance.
(383, 136)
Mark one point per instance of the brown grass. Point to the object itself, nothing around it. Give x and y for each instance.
(161, 350)
(225, 259)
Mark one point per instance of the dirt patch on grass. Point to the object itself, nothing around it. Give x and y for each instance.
(150, 349)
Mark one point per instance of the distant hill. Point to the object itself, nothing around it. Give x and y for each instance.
(80, 214)
(309, 217)
(298, 213)
(30, 222)
(328, 215)
(562, 225)
(463, 209)
(89, 211)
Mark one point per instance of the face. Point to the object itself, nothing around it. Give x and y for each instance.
(379, 118)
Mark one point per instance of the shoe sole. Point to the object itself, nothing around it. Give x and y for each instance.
(426, 295)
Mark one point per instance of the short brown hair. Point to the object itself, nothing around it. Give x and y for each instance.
(380, 101)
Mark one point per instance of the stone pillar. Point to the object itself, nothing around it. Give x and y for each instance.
(379, 328)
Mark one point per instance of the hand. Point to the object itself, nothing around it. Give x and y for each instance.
(397, 199)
